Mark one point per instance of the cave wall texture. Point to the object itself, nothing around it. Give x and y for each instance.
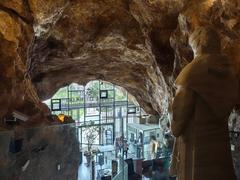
(42, 151)
(139, 45)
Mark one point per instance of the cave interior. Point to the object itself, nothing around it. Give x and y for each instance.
(140, 47)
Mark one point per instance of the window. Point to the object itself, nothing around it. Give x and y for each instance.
(56, 104)
(103, 94)
(131, 110)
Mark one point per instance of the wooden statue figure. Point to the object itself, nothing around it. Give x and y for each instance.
(207, 90)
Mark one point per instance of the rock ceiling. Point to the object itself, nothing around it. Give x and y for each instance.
(140, 45)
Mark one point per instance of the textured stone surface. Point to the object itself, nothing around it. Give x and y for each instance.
(222, 15)
(109, 40)
(44, 148)
(139, 45)
(16, 89)
(124, 42)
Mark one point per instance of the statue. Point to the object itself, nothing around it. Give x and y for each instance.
(207, 90)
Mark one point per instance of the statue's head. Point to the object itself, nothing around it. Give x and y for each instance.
(205, 40)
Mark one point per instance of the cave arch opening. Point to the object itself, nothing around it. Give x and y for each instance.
(109, 112)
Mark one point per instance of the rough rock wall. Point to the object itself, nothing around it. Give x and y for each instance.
(234, 126)
(78, 41)
(139, 45)
(42, 150)
(16, 89)
(45, 147)
(223, 15)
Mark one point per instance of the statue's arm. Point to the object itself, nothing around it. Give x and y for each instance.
(182, 107)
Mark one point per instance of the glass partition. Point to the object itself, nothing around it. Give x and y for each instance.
(122, 173)
(98, 103)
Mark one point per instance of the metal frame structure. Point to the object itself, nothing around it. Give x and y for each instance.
(81, 100)
(146, 130)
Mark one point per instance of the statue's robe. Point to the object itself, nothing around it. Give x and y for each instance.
(207, 95)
